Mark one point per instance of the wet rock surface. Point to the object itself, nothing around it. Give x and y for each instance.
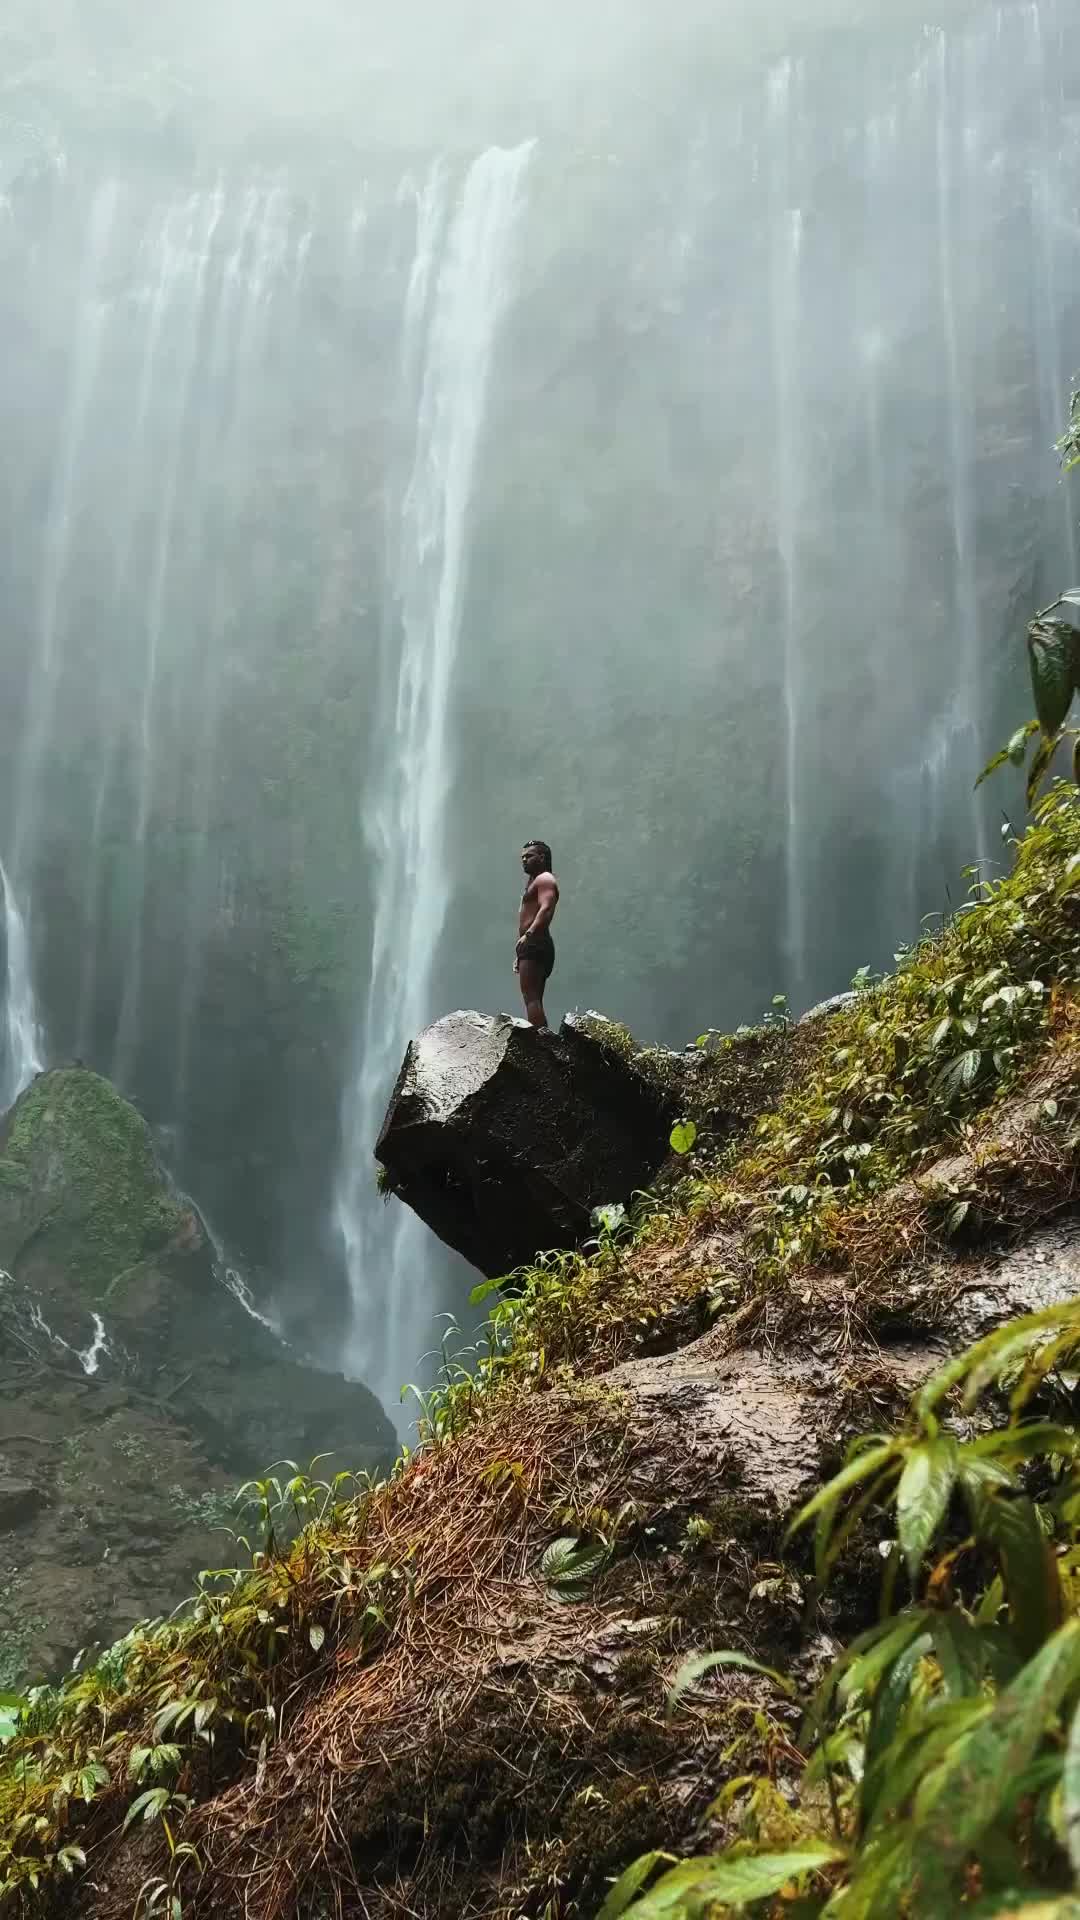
(20, 1499)
(503, 1139)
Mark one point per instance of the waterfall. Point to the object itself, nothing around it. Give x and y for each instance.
(766, 498)
(20, 1057)
(185, 257)
(452, 312)
(1055, 369)
(955, 222)
(787, 236)
(55, 556)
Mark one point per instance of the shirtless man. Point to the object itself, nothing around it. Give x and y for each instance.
(535, 947)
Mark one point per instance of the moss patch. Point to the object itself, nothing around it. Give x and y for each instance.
(81, 1191)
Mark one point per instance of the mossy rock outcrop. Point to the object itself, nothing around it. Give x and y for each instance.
(83, 1199)
(136, 1388)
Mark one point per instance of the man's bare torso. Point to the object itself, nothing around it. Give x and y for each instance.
(530, 900)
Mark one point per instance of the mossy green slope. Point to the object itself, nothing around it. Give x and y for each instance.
(81, 1192)
(815, 1165)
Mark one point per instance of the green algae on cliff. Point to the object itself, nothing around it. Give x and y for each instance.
(81, 1190)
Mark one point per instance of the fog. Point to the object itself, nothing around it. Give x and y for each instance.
(427, 429)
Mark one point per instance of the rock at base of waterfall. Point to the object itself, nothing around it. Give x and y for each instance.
(504, 1139)
(136, 1389)
(19, 1498)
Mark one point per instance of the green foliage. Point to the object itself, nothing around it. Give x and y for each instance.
(1013, 753)
(736, 1880)
(906, 1066)
(75, 1140)
(692, 1670)
(570, 1565)
(683, 1136)
(1054, 661)
(152, 1709)
(949, 1733)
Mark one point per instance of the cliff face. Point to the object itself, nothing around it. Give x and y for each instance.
(135, 1390)
(464, 1670)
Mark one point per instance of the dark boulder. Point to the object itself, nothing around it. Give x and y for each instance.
(504, 1140)
(19, 1497)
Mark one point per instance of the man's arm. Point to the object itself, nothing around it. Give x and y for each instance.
(547, 899)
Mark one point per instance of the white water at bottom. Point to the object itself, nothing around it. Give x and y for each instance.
(20, 1033)
(88, 1357)
(454, 305)
(230, 1277)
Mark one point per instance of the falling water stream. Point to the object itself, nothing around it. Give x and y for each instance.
(456, 294)
(20, 1034)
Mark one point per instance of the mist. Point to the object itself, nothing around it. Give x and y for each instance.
(428, 431)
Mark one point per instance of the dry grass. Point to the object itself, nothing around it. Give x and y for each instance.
(366, 1737)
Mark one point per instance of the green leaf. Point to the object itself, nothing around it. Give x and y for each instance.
(732, 1880)
(1015, 1906)
(999, 759)
(1039, 764)
(959, 1649)
(926, 1735)
(570, 1564)
(1050, 655)
(923, 1495)
(484, 1292)
(995, 1351)
(1024, 1441)
(692, 1670)
(630, 1883)
(957, 1801)
(889, 1702)
(316, 1636)
(868, 1667)
(1029, 1569)
(881, 1882)
(1017, 747)
(609, 1219)
(861, 1664)
(149, 1806)
(683, 1136)
(1070, 1784)
(959, 1075)
(957, 1215)
(869, 1461)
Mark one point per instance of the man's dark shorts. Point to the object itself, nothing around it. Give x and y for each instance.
(540, 949)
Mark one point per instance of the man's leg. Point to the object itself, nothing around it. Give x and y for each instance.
(531, 979)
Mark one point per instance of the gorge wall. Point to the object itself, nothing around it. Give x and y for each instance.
(646, 433)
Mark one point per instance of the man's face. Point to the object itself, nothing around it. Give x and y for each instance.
(530, 860)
